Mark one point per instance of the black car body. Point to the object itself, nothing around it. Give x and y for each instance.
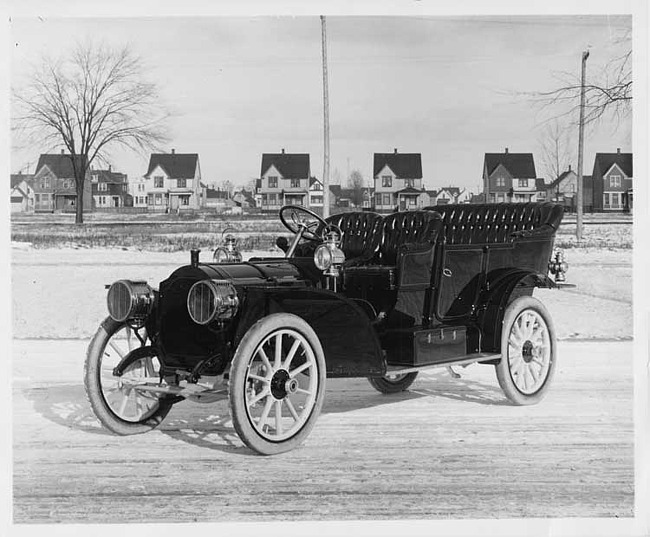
(356, 295)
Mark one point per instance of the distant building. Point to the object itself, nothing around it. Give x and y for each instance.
(284, 180)
(564, 190)
(612, 182)
(511, 177)
(219, 200)
(54, 184)
(244, 199)
(398, 181)
(21, 193)
(110, 189)
(173, 182)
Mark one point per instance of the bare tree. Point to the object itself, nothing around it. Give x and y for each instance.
(556, 149)
(355, 184)
(607, 93)
(88, 102)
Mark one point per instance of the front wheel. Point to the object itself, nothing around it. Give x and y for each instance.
(393, 383)
(116, 401)
(277, 384)
(528, 354)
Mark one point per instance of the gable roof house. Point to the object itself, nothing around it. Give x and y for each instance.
(612, 182)
(284, 180)
(173, 182)
(564, 189)
(110, 190)
(219, 200)
(398, 181)
(244, 199)
(510, 177)
(54, 184)
(21, 193)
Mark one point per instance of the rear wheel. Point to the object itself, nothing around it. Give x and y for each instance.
(528, 358)
(116, 400)
(393, 383)
(277, 384)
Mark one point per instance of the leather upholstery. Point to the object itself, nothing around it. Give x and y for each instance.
(361, 233)
(411, 227)
(496, 222)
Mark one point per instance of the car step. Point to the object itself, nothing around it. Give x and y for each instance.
(462, 361)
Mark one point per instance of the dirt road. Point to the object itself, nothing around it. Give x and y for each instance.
(448, 448)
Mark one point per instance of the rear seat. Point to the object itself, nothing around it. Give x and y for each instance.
(497, 223)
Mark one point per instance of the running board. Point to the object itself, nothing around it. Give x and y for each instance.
(461, 360)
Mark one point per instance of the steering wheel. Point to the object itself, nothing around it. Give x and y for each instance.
(301, 221)
(328, 229)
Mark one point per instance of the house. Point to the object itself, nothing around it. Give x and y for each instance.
(564, 189)
(244, 199)
(510, 177)
(54, 184)
(612, 182)
(21, 193)
(173, 182)
(446, 195)
(316, 195)
(285, 179)
(138, 191)
(110, 189)
(398, 181)
(219, 200)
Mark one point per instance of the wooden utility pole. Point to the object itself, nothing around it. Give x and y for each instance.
(581, 134)
(326, 121)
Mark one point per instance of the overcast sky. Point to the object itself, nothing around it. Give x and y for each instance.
(445, 87)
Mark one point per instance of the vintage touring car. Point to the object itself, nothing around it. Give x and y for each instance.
(355, 295)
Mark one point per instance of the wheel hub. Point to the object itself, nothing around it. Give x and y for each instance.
(527, 351)
(282, 384)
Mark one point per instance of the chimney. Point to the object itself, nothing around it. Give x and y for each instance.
(173, 151)
(618, 150)
(283, 150)
(395, 151)
(506, 150)
(569, 167)
(63, 151)
(109, 167)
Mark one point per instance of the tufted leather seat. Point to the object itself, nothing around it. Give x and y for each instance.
(361, 235)
(497, 223)
(412, 227)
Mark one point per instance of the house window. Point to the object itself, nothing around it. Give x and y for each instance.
(523, 183)
(45, 183)
(141, 187)
(606, 200)
(264, 200)
(615, 181)
(615, 200)
(500, 197)
(500, 181)
(273, 182)
(272, 197)
(158, 181)
(158, 199)
(386, 199)
(102, 200)
(181, 183)
(492, 197)
(572, 187)
(295, 183)
(94, 177)
(150, 199)
(377, 199)
(409, 183)
(386, 181)
(317, 200)
(102, 187)
(185, 200)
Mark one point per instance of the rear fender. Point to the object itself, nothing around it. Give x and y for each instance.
(350, 343)
(504, 288)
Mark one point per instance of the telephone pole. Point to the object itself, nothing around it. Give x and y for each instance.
(581, 135)
(326, 121)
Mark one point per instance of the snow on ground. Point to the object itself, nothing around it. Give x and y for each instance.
(60, 293)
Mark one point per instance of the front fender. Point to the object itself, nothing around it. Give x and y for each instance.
(504, 287)
(350, 343)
